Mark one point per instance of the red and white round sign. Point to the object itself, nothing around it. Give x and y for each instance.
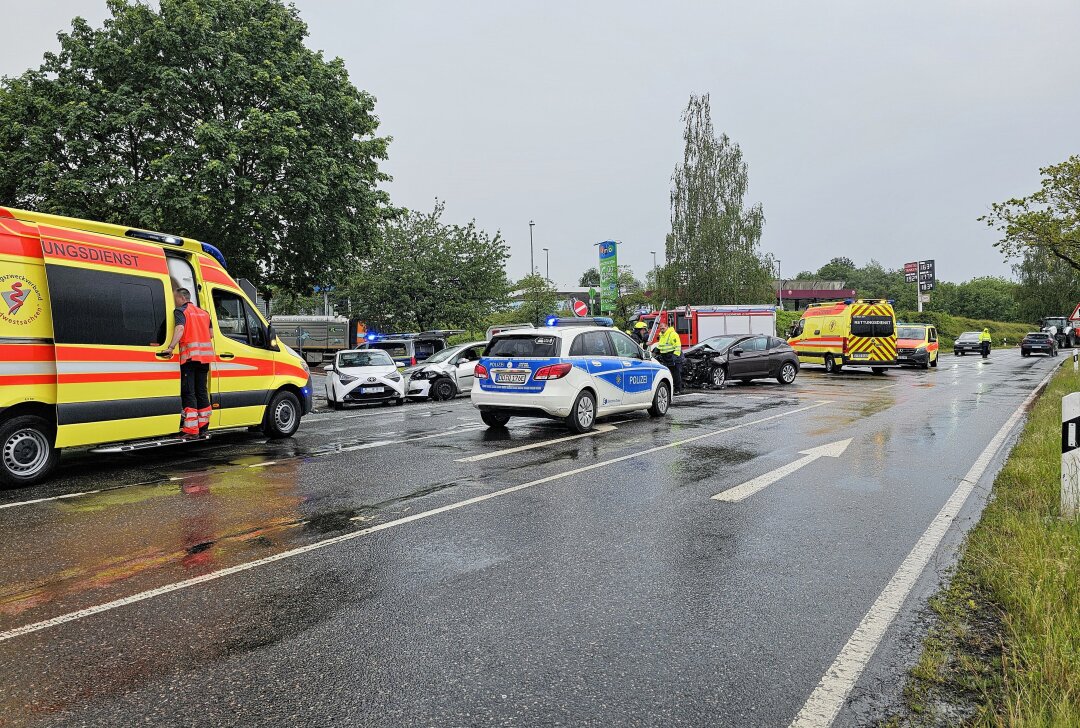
(580, 308)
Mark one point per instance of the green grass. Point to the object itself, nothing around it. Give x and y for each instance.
(1006, 647)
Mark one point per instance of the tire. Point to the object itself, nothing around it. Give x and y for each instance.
(399, 401)
(830, 365)
(338, 405)
(661, 401)
(718, 377)
(27, 453)
(926, 365)
(879, 371)
(935, 361)
(1025, 352)
(583, 413)
(494, 419)
(282, 418)
(787, 373)
(442, 389)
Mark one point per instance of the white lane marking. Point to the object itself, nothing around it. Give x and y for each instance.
(214, 575)
(887, 386)
(825, 702)
(600, 429)
(747, 489)
(382, 443)
(263, 465)
(51, 498)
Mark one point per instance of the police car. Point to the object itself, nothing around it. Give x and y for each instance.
(572, 369)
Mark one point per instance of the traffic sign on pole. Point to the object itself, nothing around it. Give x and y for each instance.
(580, 308)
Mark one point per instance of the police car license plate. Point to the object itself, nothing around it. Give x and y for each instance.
(511, 377)
(370, 390)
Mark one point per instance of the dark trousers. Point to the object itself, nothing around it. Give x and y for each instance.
(984, 346)
(193, 392)
(674, 362)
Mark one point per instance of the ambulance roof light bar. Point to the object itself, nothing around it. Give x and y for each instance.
(155, 237)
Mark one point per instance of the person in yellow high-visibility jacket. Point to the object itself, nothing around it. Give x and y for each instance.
(984, 342)
(670, 348)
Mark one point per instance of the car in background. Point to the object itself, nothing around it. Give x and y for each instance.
(573, 371)
(715, 361)
(359, 376)
(445, 373)
(967, 342)
(407, 350)
(917, 345)
(1038, 342)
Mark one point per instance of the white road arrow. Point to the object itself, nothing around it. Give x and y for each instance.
(747, 489)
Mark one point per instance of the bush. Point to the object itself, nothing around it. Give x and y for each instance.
(949, 327)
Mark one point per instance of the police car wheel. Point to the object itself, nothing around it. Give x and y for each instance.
(27, 454)
(583, 413)
(661, 401)
(282, 417)
(494, 419)
(787, 374)
(442, 389)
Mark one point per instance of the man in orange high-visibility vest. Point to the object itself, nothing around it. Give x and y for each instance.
(196, 352)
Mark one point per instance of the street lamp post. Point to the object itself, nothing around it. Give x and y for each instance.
(780, 290)
(654, 281)
(547, 265)
(532, 267)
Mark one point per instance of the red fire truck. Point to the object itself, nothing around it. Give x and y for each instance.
(694, 324)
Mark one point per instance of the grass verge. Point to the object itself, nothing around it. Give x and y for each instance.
(1005, 649)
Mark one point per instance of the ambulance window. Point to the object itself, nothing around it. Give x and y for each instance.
(797, 328)
(933, 334)
(100, 307)
(231, 319)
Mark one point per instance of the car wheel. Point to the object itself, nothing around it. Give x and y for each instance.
(338, 405)
(661, 401)
(442, 389)
(787, 373)
(718, 377)
(1024, 352)
(583, 414)
(282, 417)
(494, 419)
(831, 366)
(27, 454)
(878, 370)
(926, 365)
(935, 361)
(399, 401)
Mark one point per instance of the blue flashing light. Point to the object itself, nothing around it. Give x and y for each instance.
(212, 250)
(579, 321)
(892, 301)
(849, 301)
(371, 337)
(552, 321)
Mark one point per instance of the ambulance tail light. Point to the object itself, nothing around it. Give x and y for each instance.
(480, 372)
(412, 361)
(552, 371)
(845, 346)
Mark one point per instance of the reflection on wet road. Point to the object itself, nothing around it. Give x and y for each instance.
(407, 565)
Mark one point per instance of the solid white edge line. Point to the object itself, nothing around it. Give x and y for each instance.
(51, 498)
(600, 429)
(827, 699)
(214, 575)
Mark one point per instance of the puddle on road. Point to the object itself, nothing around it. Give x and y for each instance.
(699, 463)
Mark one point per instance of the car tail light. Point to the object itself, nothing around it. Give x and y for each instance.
(845, 346)
(480, 372)
(553, 371)
(413, 360)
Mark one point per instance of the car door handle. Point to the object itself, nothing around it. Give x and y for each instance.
(226, 356)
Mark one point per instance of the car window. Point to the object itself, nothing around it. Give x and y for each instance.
(910, 332)
(624, 345)
(523, 346)
(396, 349)
(471, 353)
(758, 343)
(369, 358)
(933, 334)
(592, 343)
(232, 320)
(775, 342)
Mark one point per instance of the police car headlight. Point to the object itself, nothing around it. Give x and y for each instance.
(394, 377)
(346, 379)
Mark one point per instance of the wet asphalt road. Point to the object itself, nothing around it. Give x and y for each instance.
(609, 589)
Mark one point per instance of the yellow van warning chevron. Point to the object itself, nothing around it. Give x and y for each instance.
(846, 333)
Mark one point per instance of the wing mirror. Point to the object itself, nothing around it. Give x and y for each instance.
(737, 352)
(328, 368)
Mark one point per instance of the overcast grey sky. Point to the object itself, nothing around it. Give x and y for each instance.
(871, 129)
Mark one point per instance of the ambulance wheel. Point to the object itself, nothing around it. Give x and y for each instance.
(494, 419)
(583, 413)
(442, 389)
(282, 417)
(831, 367)
(661, 401)
(27, 454)
(878, 370)
(926, 365)
(934, 363)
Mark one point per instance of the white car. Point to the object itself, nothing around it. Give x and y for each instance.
(445, 373)
(363, 375)
(574, 373)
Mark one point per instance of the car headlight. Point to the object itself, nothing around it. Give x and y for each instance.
(346, 379)
(394, 377)
(420, 375)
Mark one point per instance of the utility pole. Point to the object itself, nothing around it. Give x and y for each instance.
(547, 265)
(656, 283)
(532, 267)
(780, 290)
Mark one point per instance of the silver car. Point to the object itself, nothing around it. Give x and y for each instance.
(445, 374)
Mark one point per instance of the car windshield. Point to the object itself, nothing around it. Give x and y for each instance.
(441, 356)
(911, 332)
(396, 349)
(969, 336)
(370, 358)
(522, 345)
(719, 343)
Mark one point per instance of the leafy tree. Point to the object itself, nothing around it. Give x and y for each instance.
(425, 274)
(591, 277)
(837, 269)
(539, 299)
(1048, 220)
(1048, 286)
(713, 249)
(990, 298)
(206, 118)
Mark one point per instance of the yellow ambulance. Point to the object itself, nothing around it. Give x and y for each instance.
(85, 312)
(846, 333)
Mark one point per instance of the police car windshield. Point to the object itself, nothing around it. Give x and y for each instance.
(911, 332)
(373, 358)
(517, 346)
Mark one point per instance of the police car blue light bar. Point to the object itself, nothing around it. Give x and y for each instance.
(579, 321)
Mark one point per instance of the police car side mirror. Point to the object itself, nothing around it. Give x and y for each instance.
(645, 354)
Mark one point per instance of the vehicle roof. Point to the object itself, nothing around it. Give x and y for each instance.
(1036, 333)
(552, 331)
(355, 351)
(925, 326)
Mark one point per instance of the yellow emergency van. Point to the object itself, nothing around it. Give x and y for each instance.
(85, 313)
(846, 333)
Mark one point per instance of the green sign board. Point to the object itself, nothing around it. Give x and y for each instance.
(609, 275)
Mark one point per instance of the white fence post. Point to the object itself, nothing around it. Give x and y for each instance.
(1070, 455)
(1076, 359)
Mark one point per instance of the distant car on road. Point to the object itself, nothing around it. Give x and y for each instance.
(917, 344)
(363, 375)
(715, 361)
(1038, 342)
(967, 342)
(445, 373)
